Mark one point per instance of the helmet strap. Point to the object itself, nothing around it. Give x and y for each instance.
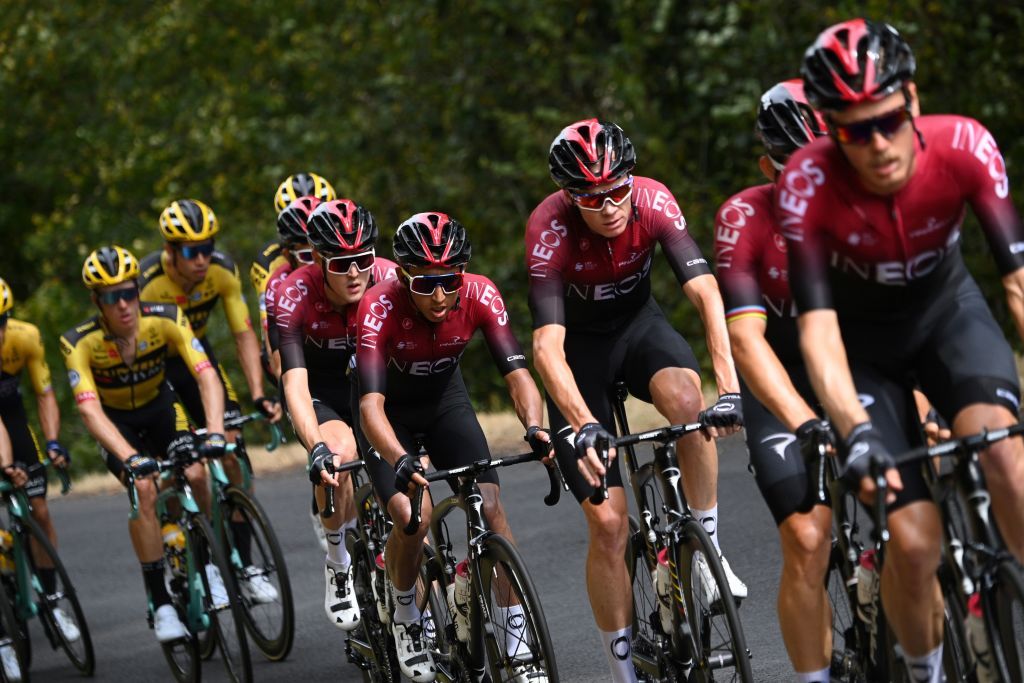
(913, 122)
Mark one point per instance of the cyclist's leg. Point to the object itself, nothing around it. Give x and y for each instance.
(969, 374)
(911, 595)
(168, 423)
(334, 420)
(804, 522)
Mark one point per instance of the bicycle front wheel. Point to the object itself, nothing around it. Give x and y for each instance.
(259, 568)
(227, 625)
(517, 642)
(715, 628)
(11, 637)
(60, 612)
(1006, 629)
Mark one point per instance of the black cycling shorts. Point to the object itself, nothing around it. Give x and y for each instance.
(775, 458)
(26, 449)
(633, 354)
(446, 425)
(326, 411)
(187, 388)
(149, 429)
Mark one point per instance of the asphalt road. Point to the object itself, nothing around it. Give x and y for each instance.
(95, 547)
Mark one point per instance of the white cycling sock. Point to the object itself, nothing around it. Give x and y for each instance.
(926, 668)
(512, 627)
(618, 649)
(709, 520)
(337, 553)
(406, 610)
(813, 676)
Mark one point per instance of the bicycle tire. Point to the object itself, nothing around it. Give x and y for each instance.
(79, 651)
(956, 657)
(383, 666)
(11, 636)
(715, 626)
(226, 622)
(270, 624)
(1004, 609)
(499, 552)
(845, 664)
(450, 655)
(183, 655)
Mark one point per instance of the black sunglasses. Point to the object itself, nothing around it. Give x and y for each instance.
(861, 132)
(112, 297)
(192, 251)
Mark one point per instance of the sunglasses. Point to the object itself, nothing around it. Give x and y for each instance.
(861, 132)
(596, 200)
(192, 251)
(112, 297)
(424, 285)
(340, 265)
(304, 256)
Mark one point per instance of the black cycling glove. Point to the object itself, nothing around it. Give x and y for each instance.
(539, 447)
(405, 467)
(141, 465)
(53, 446)
(182, 448)
(862, 445)
(588, 437)
(265, 404)
(813, 433)
(213, 446)
(320, 460)
(727, 412)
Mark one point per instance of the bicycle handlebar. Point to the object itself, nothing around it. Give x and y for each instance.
(473, 470)
(276, 437)
(328, 508)
(961, 446)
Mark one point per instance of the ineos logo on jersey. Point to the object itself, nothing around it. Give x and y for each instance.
(373, 321)
(488, 295)
(664, 202)
(731, 220)
(333, 344)
(799, 185)
(891, 272)
(983, 146)
(544, 248)
(424, 368)
(609, 290)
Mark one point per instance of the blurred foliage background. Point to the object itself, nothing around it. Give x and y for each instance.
(113, 109)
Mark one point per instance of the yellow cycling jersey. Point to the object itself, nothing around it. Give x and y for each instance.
(97, 371)
(269, 260)
(22, 347)
(221, 282)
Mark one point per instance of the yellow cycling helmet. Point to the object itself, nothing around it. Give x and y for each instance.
(109, 266)
(6, 297)
(302, 185)
(188, 220)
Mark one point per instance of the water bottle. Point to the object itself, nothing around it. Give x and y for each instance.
(458, 595)
(867, 587)
(174, 541)
(378, 585)
(663, 587)
(977, 640)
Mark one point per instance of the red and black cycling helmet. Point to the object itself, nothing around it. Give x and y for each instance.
(588, 153)
(341, 226)
(785, 121)
(856, 61)
(431, 239)
(292, 222)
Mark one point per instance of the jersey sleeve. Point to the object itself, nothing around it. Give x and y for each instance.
(372, 342)
(491, 318)
(982, 173)
(288, 316)
(545, 237)
(76, 359)
(668, 226)
(179, 335)
(737, 257)
(38, 369)
(235, 308)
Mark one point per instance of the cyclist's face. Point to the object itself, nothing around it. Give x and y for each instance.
(345, 288)
(884, 164)
(436, 306)
(122, 317)
(611, 220)
(192, 269)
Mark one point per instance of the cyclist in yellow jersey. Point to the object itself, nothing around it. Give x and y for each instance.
(190, 273)
(116, 363)
(21, 348)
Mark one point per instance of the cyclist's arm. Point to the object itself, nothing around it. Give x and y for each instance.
(300, 406)
(765, 374)
(46, 400)
(103, 430)
(378, 429)
(211, 390)
(549, 357)
(703, 292)
(525, 397)
(1014, 286)
(6, 450)
(249, 358)
(825, 356)
(246, 343)
(49, 415)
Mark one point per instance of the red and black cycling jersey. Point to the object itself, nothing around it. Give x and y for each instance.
(403, 355)
(313, 334)
(753, 271)
(871, 255)
(584, 281)
(268, 303)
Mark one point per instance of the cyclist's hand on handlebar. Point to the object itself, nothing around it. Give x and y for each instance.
(57, 453)
(723, 418)
(540, 443)
(861, 445)
(321, 467)
(17, 474)
(935, 429)
(141, 466)
(589, 439)
(409, 474)
(269, 407)
(812, 433)
(213, 446)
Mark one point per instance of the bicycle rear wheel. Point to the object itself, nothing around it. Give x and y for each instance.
(227, 623)
(60, 612)
(714, 621)
(516, 640)
(371, 642)
(1005, 626)
(259, 568)
(182, 655)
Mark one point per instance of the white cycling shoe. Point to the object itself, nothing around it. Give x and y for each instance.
(218, 592)
(167, 625)
(68, 627)
(414, 658)
(736, 587)
(257, 587)
(339, 598)
(9, 661)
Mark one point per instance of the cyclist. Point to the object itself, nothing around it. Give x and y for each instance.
(315, 321)
(116, 363)
(21, 347)
(750, 255)
(872, 221)
(589, 252)
(412, 332)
